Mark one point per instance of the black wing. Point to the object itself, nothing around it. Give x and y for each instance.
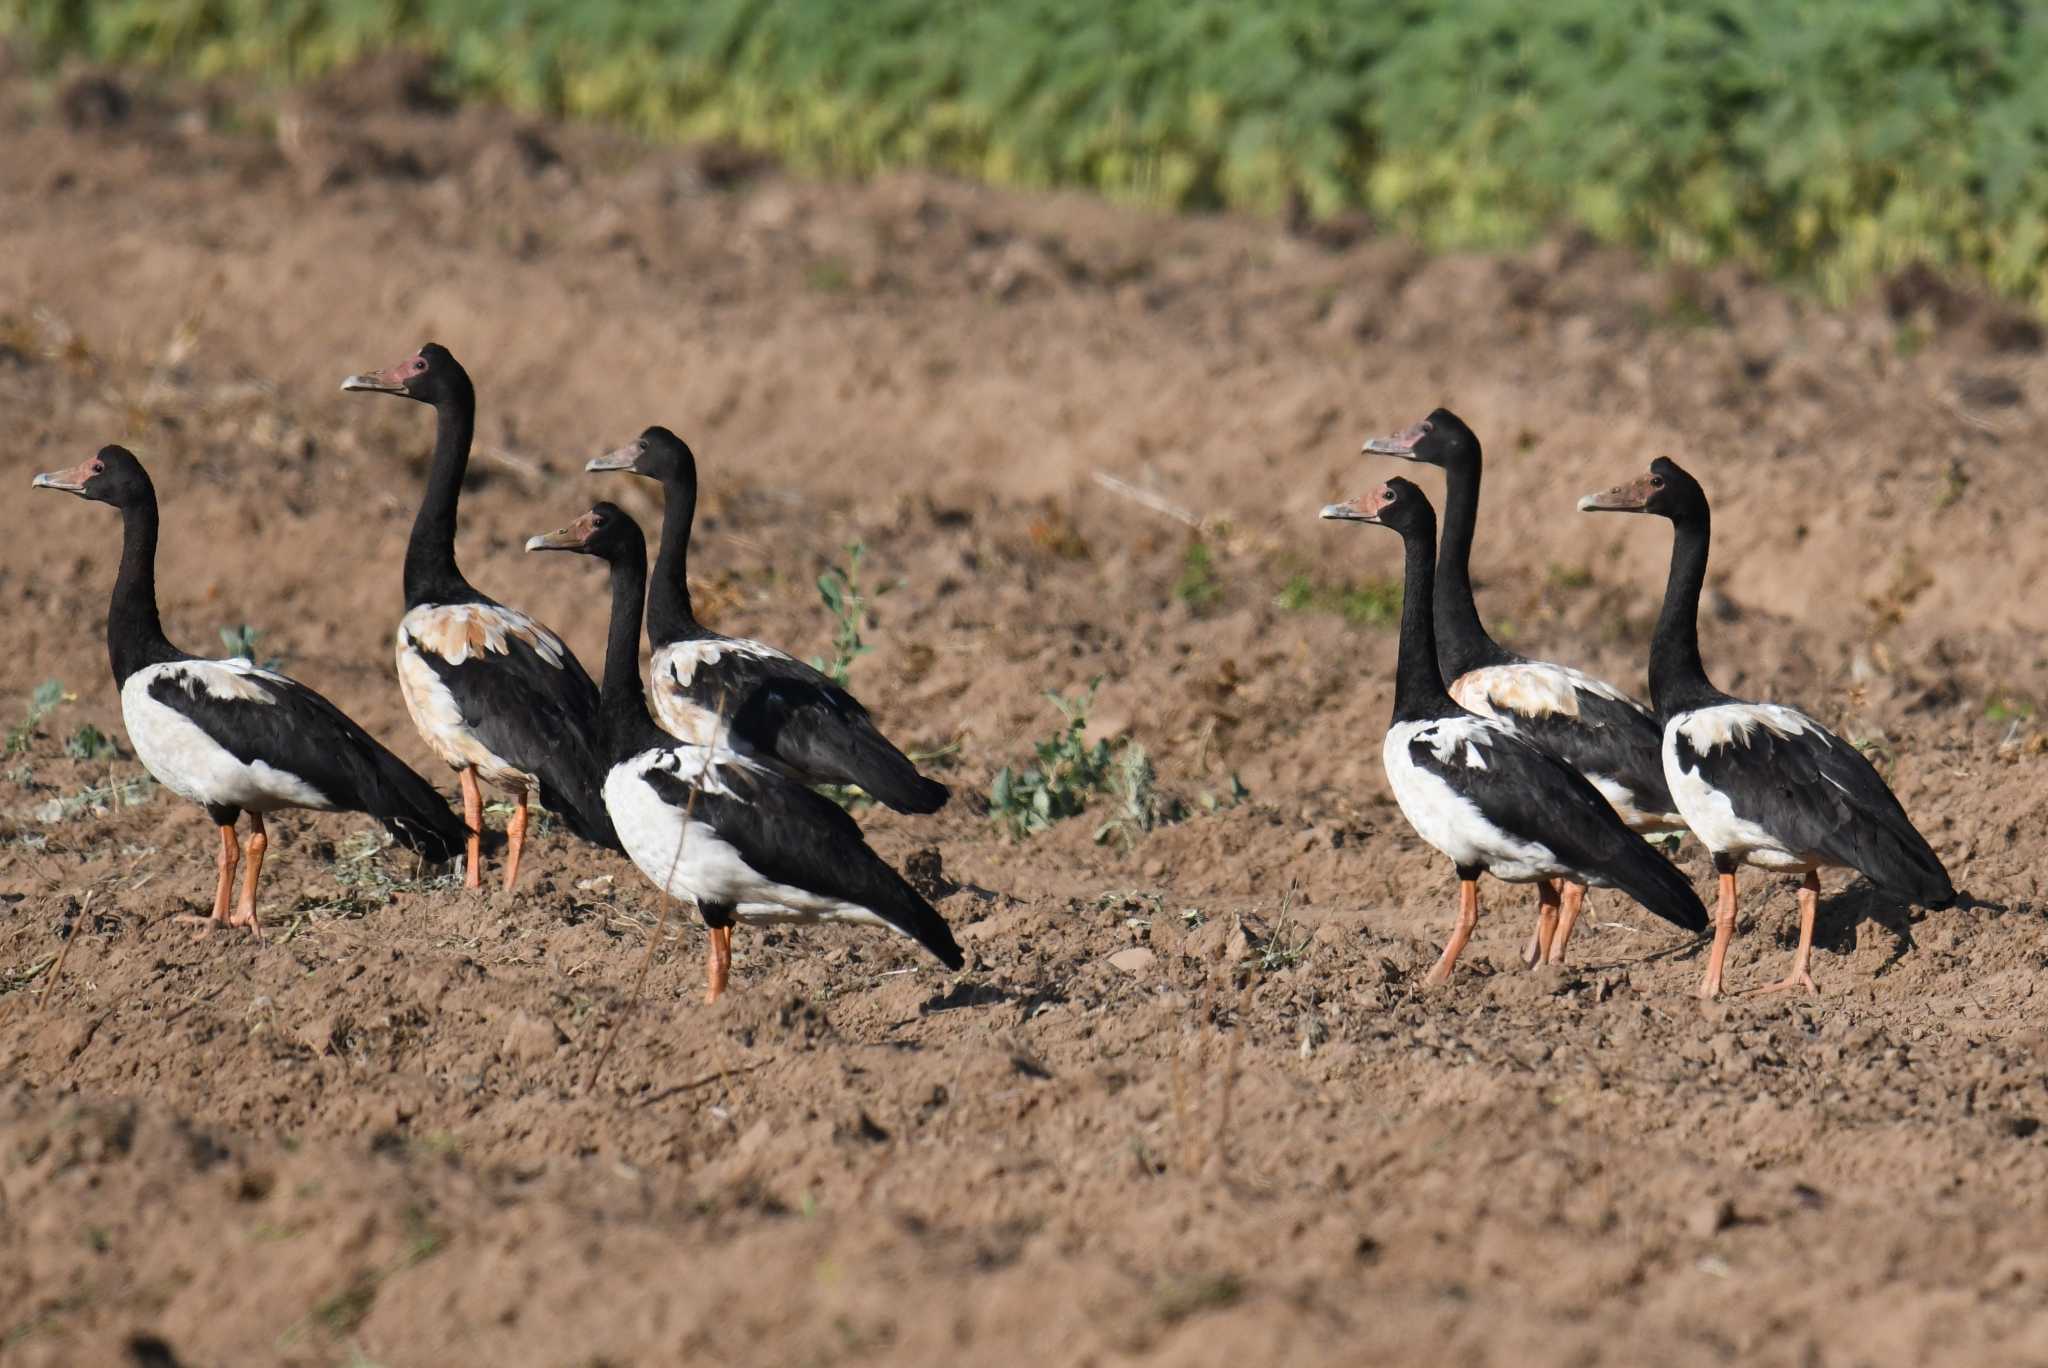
(783, 708)
(793, 836)
(1611, 738)
(540, 717)
(1817, 795)
(303, 734)
(1533, 795)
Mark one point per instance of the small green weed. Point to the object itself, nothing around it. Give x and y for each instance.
(242, 641)
(847, 602)
(2008, 708)
(1198, 586)
(828, 275)
(1561, 576)
(1140, 806)
(97, 799)
(1213, 801)
(41, 704)
(1371, 603)
(1955, 482)
(1179, 1298)
(90, 743)
(1067, 773)
(361, 870)
(1286, 947)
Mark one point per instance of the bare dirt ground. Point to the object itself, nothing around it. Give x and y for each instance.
(375, 1139)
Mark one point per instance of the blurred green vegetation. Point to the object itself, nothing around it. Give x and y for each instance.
(1831, 141)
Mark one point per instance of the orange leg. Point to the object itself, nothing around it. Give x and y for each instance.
(1468, 918)
(1724, 931)
(245, 914)
(515, 834)
(1567, 918)
(720, 966)
(473, 818)
(1802, 958)
(224, 882)
(1546, 924)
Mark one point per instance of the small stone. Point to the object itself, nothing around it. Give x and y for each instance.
(1711, 1217)
(1135, 960)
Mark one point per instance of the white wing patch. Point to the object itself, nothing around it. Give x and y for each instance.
(680, 660)
(1531, 689)
(440, 722)
(686, 857)
(181, 756)
(1732, 723)
(457, 631)
(236, 679)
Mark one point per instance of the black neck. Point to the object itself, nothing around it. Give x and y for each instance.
(1418, 688)
(669, 615)
(1462, 642)
(1678, 680)
(135, 633)
(430, 573)
(623, 723)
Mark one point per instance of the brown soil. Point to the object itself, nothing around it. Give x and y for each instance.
(375, 1138)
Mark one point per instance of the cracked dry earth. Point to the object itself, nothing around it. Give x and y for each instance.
(1188, 1103)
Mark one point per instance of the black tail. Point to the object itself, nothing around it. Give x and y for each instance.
(580, 807)
(842, 747)
(871, 882)
(1658, 885)
(1904, 866)
(412, 810)
(899, 905)
(916, 794)
(572, 788)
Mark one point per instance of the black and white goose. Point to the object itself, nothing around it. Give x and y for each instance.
(1588, 723)
(1761, 783)
(227, 735)
(711, 824)
(1476, 789)
(778, 709)
(497, 695)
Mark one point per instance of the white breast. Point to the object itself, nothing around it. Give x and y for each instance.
(1446, 818)
(191, 764)
(1709, 811)
(687, 858)
(455, 633)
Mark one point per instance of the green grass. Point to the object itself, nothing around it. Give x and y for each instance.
(1833, 141)
(1198, 586)
(1065, 775)
(41, 704)
(1370, 603)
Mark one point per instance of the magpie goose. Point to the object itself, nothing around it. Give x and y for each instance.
(710, 823)
(1476, 789)
(227, 735)
(780, 710)
(497, 695)
(1761, 783)
(1589, 724)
